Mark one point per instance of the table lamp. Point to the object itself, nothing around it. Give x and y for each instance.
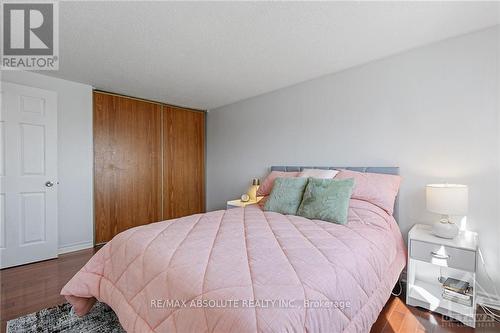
(446, 199)
(252, 191)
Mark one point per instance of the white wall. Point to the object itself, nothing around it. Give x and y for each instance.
(75, 156)
(432, 111)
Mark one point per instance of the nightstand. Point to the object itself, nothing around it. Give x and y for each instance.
(238, 203)
(431, 257)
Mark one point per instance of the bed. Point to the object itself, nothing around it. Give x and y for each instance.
(246, 270)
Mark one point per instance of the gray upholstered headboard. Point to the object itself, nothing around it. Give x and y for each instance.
(385, 170)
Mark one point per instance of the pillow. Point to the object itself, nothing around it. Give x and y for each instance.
(262, 202)
(327, 199)
(379, 189)
(318, 173)
(286, 195)
(267, 184)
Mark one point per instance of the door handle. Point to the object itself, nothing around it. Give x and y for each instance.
(49, 184)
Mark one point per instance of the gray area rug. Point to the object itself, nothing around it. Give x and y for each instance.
(101, 319)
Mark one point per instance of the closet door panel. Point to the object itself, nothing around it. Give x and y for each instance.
(183, 162)
(127, 164)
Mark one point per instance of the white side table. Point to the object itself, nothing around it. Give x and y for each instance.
(238, 203)
(431, 257)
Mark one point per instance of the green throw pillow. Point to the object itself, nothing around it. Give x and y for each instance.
(286, 195)
(327, 199)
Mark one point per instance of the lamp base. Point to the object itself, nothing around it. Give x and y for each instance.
(445, 229)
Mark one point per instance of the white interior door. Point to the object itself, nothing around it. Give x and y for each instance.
(28, 172)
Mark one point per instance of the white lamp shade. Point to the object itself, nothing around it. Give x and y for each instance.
(447, 199)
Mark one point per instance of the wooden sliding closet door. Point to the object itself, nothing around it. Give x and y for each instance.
(127, 164)
(183, 162)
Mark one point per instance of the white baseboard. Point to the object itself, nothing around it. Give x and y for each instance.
(488, 300)
(75, 247)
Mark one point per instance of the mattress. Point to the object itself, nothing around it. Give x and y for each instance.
(245, 270)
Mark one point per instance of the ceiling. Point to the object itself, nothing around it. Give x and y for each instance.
(209, 54)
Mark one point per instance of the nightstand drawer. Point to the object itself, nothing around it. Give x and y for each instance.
(443, 255)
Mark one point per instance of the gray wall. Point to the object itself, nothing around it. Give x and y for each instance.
(432, 111)
(75, 156)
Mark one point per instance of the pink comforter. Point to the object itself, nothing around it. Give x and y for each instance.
(245, 270)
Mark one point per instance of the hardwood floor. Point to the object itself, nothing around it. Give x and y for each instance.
(397, 317)
(32, 287)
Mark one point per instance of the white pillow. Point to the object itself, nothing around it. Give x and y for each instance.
(318, 173)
